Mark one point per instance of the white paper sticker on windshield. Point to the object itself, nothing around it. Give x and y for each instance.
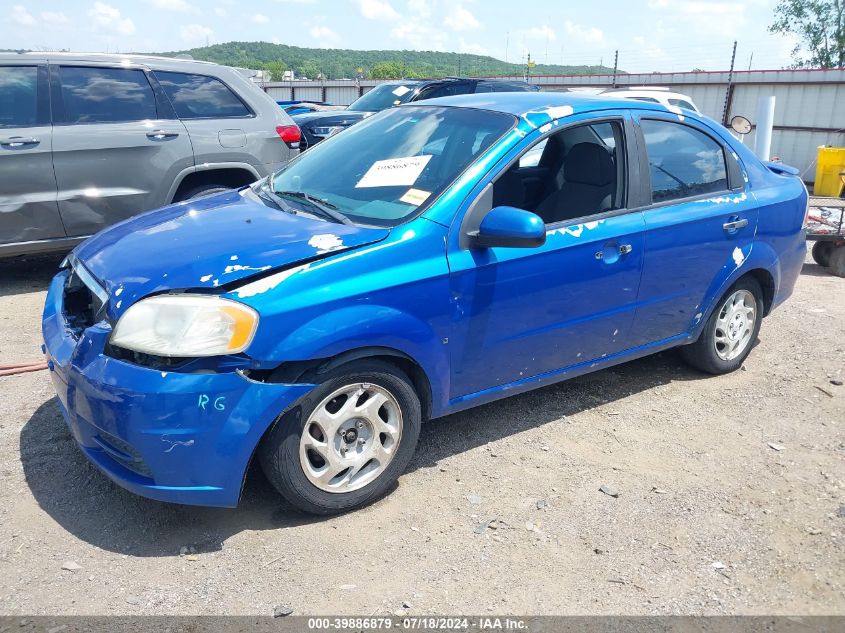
(415, 197)
(394, 172)
(401, 90)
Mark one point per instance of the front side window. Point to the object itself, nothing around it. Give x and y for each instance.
(386, 167)
(683, 162)
(575, 173)
(18, 96)
(106, 95)
(200, 97)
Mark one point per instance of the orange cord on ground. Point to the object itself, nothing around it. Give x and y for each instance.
(22, 368)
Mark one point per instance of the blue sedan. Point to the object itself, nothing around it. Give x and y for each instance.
(430, 259)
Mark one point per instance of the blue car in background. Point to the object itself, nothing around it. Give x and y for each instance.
(432, 258)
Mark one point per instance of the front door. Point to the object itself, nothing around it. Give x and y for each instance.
(524, 312)
(28, 209)
(116, 145)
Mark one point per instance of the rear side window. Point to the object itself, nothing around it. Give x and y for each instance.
(681, 103)
(18, 96)
(106, 95)
(683, 161)
(201, 97)
(444, 90)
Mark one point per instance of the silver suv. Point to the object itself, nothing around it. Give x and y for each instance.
(87, 140)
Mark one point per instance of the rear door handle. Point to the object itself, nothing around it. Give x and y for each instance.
(160, 135)
(19, 141)
(734, 225)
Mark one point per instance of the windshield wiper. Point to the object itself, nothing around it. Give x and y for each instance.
(327, 209)
(263, 191)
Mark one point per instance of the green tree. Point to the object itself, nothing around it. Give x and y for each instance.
(386, 70)
(309, 69)
(820, 26)
(276, 69)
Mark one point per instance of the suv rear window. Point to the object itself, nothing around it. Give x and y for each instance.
(201, 97)
(106, 95)
(18, 104)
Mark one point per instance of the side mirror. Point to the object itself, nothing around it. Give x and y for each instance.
(740, 125)
(511, 227)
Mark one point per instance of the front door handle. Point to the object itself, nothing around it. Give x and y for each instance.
(160, 135)
(19, 141)
(622, 249)
(733, 226)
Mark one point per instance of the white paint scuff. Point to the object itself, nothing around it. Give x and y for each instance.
(325, 242)
(738, 256)
(269, 282)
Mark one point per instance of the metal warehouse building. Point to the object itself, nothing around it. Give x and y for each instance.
(809, 109)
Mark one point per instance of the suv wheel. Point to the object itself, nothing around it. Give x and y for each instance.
(347, 442)
(730, 332)
(203, 190)
(821, 253)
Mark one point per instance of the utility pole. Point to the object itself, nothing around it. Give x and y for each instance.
(750, 59)
(615, 66)
(729, 93)
(459, 64)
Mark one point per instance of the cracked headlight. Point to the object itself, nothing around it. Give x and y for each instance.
(186, 325)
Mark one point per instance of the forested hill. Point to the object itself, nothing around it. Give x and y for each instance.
(344, 63)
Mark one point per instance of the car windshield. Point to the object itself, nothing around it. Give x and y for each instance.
(380, 171)
(383, 97)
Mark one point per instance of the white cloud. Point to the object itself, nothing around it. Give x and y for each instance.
(536, 34)
(195, 33)
(377, 10)
(421, 8)
(54, 18)
(461, 19)
(172, 5)
(323, 34)
(471, 47)
(221, 12)
(260, 18)
(416, 35)
(108, 18)
(583, 34)
(658, 4)
(21, 16)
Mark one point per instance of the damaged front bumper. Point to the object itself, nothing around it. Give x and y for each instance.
(177, 437)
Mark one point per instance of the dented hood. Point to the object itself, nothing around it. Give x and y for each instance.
(208, 243)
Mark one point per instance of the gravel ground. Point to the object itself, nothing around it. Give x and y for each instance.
(731, 498)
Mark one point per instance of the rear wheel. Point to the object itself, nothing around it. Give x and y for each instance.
(837, 261)
(730, 332)
(821, 253)
(347, 442)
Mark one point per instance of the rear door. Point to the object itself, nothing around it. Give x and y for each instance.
(28, 208)
(117, 146)
(700, 221)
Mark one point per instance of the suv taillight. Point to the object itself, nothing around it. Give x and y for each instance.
(290, 134)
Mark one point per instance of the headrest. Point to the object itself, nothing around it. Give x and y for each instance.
(589, 164)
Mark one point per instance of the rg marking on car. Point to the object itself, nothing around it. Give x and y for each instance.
(432, 258)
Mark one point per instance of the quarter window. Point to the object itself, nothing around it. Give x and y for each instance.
(201, 97)
(683, 161)
(106, 95)
(18, 100)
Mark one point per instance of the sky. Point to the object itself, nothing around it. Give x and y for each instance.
(650, 35)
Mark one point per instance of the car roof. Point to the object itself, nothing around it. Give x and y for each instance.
(517, 103)
(105, 58)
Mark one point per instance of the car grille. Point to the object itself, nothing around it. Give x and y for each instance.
(123, 453)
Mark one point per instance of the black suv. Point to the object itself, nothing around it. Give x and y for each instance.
(316, 126)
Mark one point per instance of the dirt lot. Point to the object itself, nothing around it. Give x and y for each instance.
(710, 518)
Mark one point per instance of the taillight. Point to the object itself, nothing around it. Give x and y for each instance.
(290, 134)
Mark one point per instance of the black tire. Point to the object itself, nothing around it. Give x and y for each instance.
(821, 253)
(702, 354)
(279, 450)
(203, 190)
(837, 261)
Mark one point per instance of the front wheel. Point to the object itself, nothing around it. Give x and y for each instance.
(348, 440)
(730, 332)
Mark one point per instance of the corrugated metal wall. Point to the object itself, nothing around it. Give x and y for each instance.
(809, 111)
